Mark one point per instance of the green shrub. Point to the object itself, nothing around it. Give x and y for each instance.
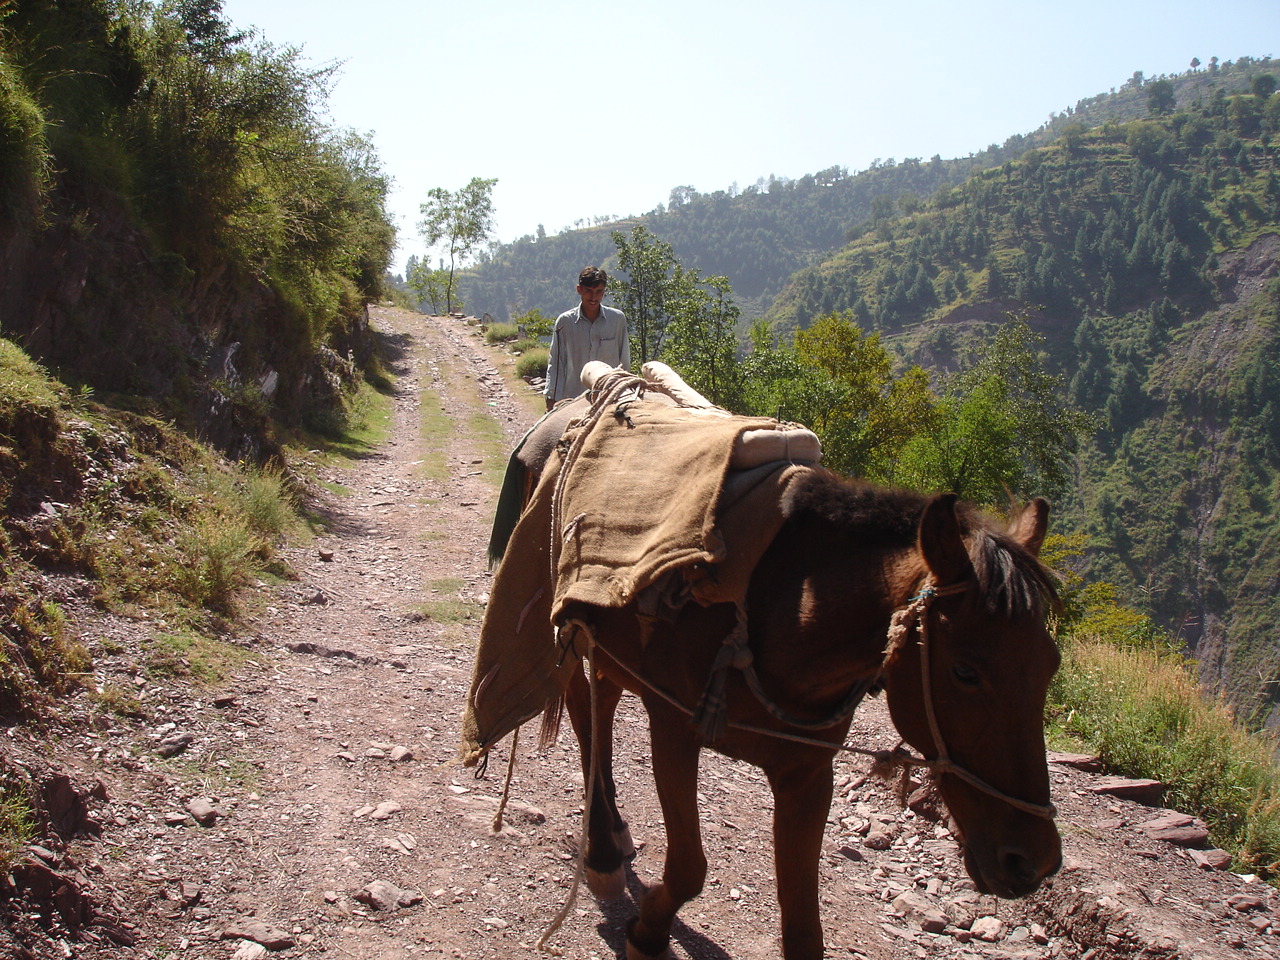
(259, 496)
(532, 364)
(217, 556)
(501, 333)
(24, 157)
(527, 345)
(535, 323)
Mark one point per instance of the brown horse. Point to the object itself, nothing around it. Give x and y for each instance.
(864, 587)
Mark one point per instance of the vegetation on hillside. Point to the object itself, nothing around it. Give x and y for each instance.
(161, 526)
(1145, 255)
(188, 250)
(1099, 222)
(1126, 692)
(176, 217)
(759, 234)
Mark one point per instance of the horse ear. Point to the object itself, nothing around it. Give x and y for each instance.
(941, 544)
(1029, 527)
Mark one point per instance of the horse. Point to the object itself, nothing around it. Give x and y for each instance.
(863, 588)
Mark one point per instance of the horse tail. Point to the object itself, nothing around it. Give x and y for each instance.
(551, 718)
(510, 506)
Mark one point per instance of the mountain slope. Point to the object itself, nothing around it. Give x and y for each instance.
(1146, 253)
(758, 236)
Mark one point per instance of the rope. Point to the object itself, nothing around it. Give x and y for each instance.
(506, 787)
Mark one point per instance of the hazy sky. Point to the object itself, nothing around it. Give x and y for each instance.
(584, 110)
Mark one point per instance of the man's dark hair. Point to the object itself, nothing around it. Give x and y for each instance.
(592, 277)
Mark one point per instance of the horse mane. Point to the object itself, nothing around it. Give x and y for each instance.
(1012, 581)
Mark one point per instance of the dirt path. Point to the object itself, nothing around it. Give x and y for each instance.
(329, 763)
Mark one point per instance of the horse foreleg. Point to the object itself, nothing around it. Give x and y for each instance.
(608, 839)
(675, 772)
(801, 802)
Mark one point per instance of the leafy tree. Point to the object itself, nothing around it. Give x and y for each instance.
(461, 220)
(1002, 430)
(239, 168)
(535, 323)
(701, 341)
(429, 286)
(647, 265)
(1160, 97)
(207, 31)
(839, 381)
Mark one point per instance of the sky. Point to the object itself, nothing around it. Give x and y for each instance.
(584, 110)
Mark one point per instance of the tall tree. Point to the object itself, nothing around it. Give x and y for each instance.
(648, 265)
(839, 381)
(458, 220)
(1160, 96)
(701, 341)
(429, 285)
(1004, 429)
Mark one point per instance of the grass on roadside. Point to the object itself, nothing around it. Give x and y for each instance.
(17, 822)
(501, 333)
(363, 427)
(1143, 712)
(454, 613)
(1126, 693)
(437, 432)
(217, 775)
(532, 364)
(187, 654)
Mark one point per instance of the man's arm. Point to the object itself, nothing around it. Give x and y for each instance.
(553, 366)
(625, 353)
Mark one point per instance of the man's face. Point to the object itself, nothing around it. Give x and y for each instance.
(591, 297)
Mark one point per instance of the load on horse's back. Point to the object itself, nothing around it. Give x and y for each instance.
(750, 600)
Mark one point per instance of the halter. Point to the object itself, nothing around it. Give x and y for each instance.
(917, 611)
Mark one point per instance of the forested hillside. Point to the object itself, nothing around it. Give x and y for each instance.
(1147, 255)
(759, 235)
(177, 223)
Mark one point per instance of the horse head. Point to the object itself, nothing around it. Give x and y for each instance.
(967, 688)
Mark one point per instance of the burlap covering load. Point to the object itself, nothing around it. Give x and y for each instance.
(645, 508)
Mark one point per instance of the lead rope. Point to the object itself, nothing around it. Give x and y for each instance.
(506, 787)
(885, 761)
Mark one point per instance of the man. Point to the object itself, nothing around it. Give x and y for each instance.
(590, 331)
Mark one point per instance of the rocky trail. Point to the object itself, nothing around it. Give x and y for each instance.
(312, 807)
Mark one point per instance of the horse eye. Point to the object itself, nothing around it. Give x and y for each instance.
(966, 674)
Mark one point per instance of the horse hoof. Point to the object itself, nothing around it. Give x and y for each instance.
(607, 886)
(622, 840)
(635, 953)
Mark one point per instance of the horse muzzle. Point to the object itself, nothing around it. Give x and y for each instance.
(1014, 868)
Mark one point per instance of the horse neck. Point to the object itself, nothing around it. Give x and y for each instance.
(900, 575)
(847, 597)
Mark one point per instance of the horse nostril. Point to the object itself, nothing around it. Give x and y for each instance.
(1019, 869)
